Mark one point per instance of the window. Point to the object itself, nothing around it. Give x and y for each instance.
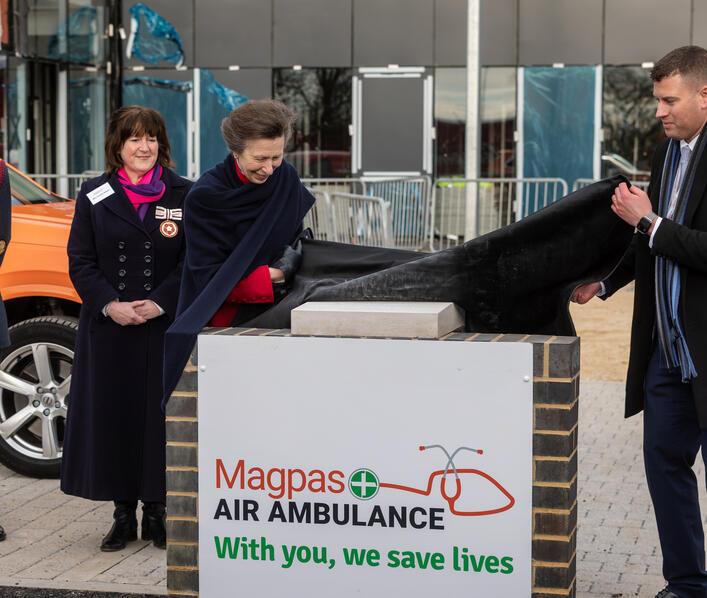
(498, 122)
(631, 130)
(321, 145)
(87, 120)
(450, 121)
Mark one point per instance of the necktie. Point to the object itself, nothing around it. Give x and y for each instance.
(685, 153)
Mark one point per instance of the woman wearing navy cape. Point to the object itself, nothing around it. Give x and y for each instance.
(242, 218)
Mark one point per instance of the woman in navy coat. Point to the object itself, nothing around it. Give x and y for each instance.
(126, 251)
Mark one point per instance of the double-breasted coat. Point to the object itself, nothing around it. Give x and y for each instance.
(114, 447)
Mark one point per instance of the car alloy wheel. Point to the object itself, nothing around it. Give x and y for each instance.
(35, 378)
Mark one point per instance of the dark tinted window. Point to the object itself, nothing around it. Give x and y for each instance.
(631, 130)
(321, 145)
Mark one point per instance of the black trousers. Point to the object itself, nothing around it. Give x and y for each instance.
(671, 440)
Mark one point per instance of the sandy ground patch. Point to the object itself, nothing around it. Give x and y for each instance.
(604, 328)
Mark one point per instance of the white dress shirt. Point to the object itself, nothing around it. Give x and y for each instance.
(676, 187)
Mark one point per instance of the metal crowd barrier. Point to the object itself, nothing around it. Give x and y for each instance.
(319, 218)
(66, 185)
(332, 185)
(361, 220)
(410, 208)
(409, 198)
(350, 218)
(498, 202)
(579, 183)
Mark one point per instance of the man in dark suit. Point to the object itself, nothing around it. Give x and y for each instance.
(667, 372)
(5, 204)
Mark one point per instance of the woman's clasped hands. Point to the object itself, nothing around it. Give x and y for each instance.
(130, 313)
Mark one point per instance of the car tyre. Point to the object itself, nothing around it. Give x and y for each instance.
(35, 376)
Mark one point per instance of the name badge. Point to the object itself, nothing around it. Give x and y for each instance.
(100, 193)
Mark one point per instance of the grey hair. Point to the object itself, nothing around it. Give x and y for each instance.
(257, 119)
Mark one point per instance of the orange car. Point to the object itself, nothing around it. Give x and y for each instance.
(42, 309)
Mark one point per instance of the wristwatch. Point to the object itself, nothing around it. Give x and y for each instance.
(645, 223)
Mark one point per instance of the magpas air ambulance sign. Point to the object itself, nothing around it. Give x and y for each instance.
(364, 467)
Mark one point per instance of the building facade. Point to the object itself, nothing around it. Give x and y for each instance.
(379, 85)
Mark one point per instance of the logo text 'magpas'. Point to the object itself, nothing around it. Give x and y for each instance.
(280, 481)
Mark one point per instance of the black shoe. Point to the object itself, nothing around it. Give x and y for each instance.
(124, 529)
(2, 534)
(666, 593)
(153, 524)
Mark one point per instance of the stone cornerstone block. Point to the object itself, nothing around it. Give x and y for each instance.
(375, 318)
(555, 394)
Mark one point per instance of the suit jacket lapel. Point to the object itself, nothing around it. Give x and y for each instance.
(120, 205)
(657, 176)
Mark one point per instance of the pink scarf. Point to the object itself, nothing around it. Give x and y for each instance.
(149, 189)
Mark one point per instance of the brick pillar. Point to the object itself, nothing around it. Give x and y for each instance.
(555, 399)
(183, 486)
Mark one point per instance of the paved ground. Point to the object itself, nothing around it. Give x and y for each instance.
(53, 539)
(617, 546)
(53, 543)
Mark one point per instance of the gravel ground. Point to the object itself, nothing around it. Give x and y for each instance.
(604, 328)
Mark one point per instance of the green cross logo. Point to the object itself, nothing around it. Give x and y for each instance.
(364, 484)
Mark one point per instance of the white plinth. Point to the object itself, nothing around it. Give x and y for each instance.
(377, 319)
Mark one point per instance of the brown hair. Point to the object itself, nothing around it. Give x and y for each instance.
(257, 119)
(135, 121)
(688, 61)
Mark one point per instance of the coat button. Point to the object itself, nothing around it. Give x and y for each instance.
(148, 259)
(148, 245)
(147, 272)
(122, 258)
(147, 286)
(121, 244)
(121, 286)
(121, 273)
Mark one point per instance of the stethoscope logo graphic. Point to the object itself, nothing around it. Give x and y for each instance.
(451, 490)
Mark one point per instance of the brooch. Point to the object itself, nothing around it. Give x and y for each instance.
(169, 229)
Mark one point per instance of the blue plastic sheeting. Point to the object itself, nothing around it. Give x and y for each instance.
(80, 33)
(558, 122)
(152, 37)
(183, 86)
(216, 102)
(169, 98)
